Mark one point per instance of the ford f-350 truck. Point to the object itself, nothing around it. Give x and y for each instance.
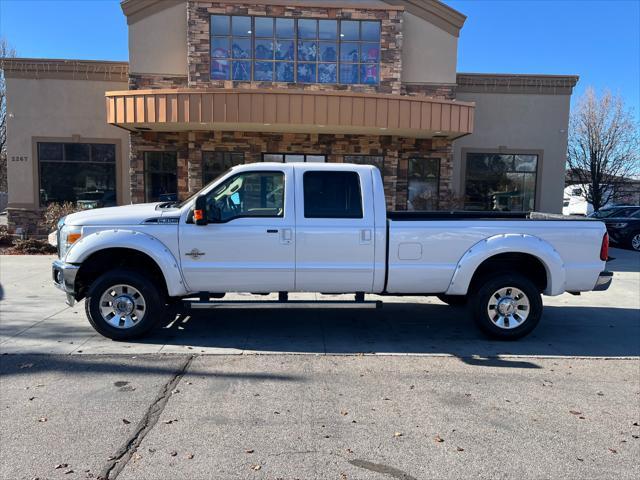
(271, 227)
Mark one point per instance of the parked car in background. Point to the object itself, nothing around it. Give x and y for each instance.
(625, 231)
(618, 211)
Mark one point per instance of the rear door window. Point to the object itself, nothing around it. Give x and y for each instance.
(332, 195)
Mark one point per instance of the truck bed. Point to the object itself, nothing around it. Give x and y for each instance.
(478, 215)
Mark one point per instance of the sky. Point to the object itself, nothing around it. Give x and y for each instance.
(599, 40)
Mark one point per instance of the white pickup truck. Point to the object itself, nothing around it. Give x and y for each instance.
(272, 227)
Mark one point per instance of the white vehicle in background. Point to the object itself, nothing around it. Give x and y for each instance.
(305, 227)
(575, 202)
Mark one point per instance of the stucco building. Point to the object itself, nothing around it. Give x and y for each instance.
(213, 84)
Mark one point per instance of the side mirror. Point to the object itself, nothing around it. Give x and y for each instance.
(200, 210)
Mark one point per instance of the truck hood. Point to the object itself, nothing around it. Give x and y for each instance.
(125, 215)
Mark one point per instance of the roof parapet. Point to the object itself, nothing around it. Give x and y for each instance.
(65, 69)
(516, 83)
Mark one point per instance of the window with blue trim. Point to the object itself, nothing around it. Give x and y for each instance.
(305, 50)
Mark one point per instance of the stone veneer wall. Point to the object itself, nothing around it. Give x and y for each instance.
(443, 92)
(190, 145)
(151, 81)
(199, 43)
(30, 221)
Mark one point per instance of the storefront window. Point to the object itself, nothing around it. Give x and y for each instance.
(375, 160)
(161, 176)
(500, 182)
(268, 49)
(81, 173)
(216, 163)
(423, 183)
(293, 158)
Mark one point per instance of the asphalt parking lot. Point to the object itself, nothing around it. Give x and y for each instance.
(408, 391)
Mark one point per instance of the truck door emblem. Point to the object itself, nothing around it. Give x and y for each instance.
(195, 253)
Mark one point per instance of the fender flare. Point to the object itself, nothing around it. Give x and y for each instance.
(133, 240)
(509, 243)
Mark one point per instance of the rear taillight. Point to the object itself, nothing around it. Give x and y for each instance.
(604, 248)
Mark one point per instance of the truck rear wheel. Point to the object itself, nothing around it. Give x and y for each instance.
(123, 304)
(507, 306)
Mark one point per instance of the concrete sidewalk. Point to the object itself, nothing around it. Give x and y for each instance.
(34, 319)
(316, 417)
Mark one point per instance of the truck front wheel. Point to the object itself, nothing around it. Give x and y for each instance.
(122, 304)
(506, 306)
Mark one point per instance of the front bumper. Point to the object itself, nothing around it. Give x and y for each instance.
(64, 277)
(604, 281)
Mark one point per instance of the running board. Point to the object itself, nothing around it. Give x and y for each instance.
(288, 304)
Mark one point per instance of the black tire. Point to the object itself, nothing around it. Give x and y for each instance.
(454, 300)
(480, 306)
(152, 302)
(633, 238)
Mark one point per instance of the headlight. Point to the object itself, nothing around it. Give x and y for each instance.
(618, 225)
(68, 236)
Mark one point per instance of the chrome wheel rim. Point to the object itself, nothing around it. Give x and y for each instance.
(635, 241)
(508, 308)
(122, 306)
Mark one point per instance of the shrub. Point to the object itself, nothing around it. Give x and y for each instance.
(32, 246)
(6, 238)
(55, 211)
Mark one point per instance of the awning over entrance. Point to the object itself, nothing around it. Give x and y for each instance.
(289, 111)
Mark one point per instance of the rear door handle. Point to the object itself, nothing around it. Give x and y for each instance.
(272, 230)
(365, 236)
(287, 235)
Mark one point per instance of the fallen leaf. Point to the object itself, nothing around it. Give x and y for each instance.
(169, 422)
(636, 424)
(136, 457)
(460, 449)
(344, 413)
(613, 450)
(600, 394)
(68, 471)
(249, 450)
(189, 456)
(31, 399)
(574, 412)
(255, 467)
(173, 453)
(175, 391)
(635, 436)
(152, 450)
(61, 465)
(42, 419)
(349, 450)
(438, 439)
(580, 459)
(582, 418)
(125, 421)
(277, 413)
(26, 365)
(397, 434)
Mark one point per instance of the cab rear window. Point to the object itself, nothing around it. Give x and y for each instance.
(332, 195)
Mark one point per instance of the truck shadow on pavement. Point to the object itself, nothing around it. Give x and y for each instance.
(404, 329)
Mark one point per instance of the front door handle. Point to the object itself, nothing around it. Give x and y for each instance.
(272, 230)
(365, 236)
